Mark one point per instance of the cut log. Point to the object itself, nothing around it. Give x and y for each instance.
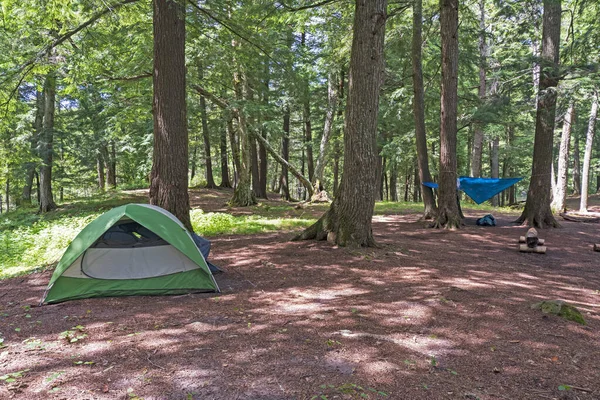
(597, 247)
(523, 248)
(522, 239)
(531, 238)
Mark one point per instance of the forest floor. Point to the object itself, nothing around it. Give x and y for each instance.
(430, 314)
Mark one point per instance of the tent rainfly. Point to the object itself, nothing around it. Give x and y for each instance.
(135, 249)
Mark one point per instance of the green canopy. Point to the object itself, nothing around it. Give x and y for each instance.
(135, 249)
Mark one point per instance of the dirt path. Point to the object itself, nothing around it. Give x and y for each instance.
(429, 315)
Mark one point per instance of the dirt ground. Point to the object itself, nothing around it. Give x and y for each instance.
(431, 314)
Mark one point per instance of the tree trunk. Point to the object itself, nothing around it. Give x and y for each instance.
(210, 181)
(225, 182)
(235, 150)
(33, 146)
(100, 170)
(332, 99)
(430, 208)
(416, 187)
(242, 194)
(576, 166)
(537, 210)
(111, 166)
(495, 165)
(587, 157)
(255, 167)
(448, 212)
(393, 181)
(7, 194)
(378, 175)
(262, 151)
(349, 219)
(169, 174)
(478, 136)
(307, 122)
(559, 201)
(285, 152)
(47, 144)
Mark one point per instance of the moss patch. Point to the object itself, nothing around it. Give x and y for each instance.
(560, 308)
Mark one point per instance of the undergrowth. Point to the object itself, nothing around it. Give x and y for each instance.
(32, 242)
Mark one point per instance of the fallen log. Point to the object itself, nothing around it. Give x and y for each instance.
(523, 248)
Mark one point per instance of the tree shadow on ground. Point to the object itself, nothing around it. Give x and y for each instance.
(428, 315)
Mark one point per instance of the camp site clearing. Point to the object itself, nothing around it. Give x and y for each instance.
(429, 314)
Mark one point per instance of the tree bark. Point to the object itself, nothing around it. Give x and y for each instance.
(393, 181)
(478, 136)
(559, 201)
(448, 213)
(306, 115)
(285, 153)
(262, 151)
(349, 219)
(100, 171)
(430, 208)
(537, 210)
(587, 157)
(33, 148)
(495, 165)
(47, 144)
(169, 174)
(210, 181)
(111, 166)
(225, 182)
(576, 166)
(242, 194)
(332, 99)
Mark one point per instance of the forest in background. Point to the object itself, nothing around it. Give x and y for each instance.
(76, 95)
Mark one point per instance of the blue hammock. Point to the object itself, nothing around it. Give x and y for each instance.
(480, 189)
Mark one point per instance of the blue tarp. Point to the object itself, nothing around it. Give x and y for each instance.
(480, 189)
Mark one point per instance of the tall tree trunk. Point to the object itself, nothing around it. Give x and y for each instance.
(255, 167)
(587, 157)
(100, 171)
(378, 175)
(235, 149)
(225, 182)
(285, 153)
(393, 181)
(34, 145)
(262, 151)
(332, 99)
(111, 165)
(576, 166)
(478, 136)
(416, 187)
(537, 210)
(495, 170)
(210, 181)
(559, 201)
(47, 144)
(430, 208)
(7, 194)
(169, 174)
(349, 219)
(448, 212)
(242, 194)
(307, 122)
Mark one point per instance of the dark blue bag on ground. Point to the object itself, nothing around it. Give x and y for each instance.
(487, 220)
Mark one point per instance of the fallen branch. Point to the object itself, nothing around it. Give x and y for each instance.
(225, 105)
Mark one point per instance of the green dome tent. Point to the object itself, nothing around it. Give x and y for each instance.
(135, 249)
